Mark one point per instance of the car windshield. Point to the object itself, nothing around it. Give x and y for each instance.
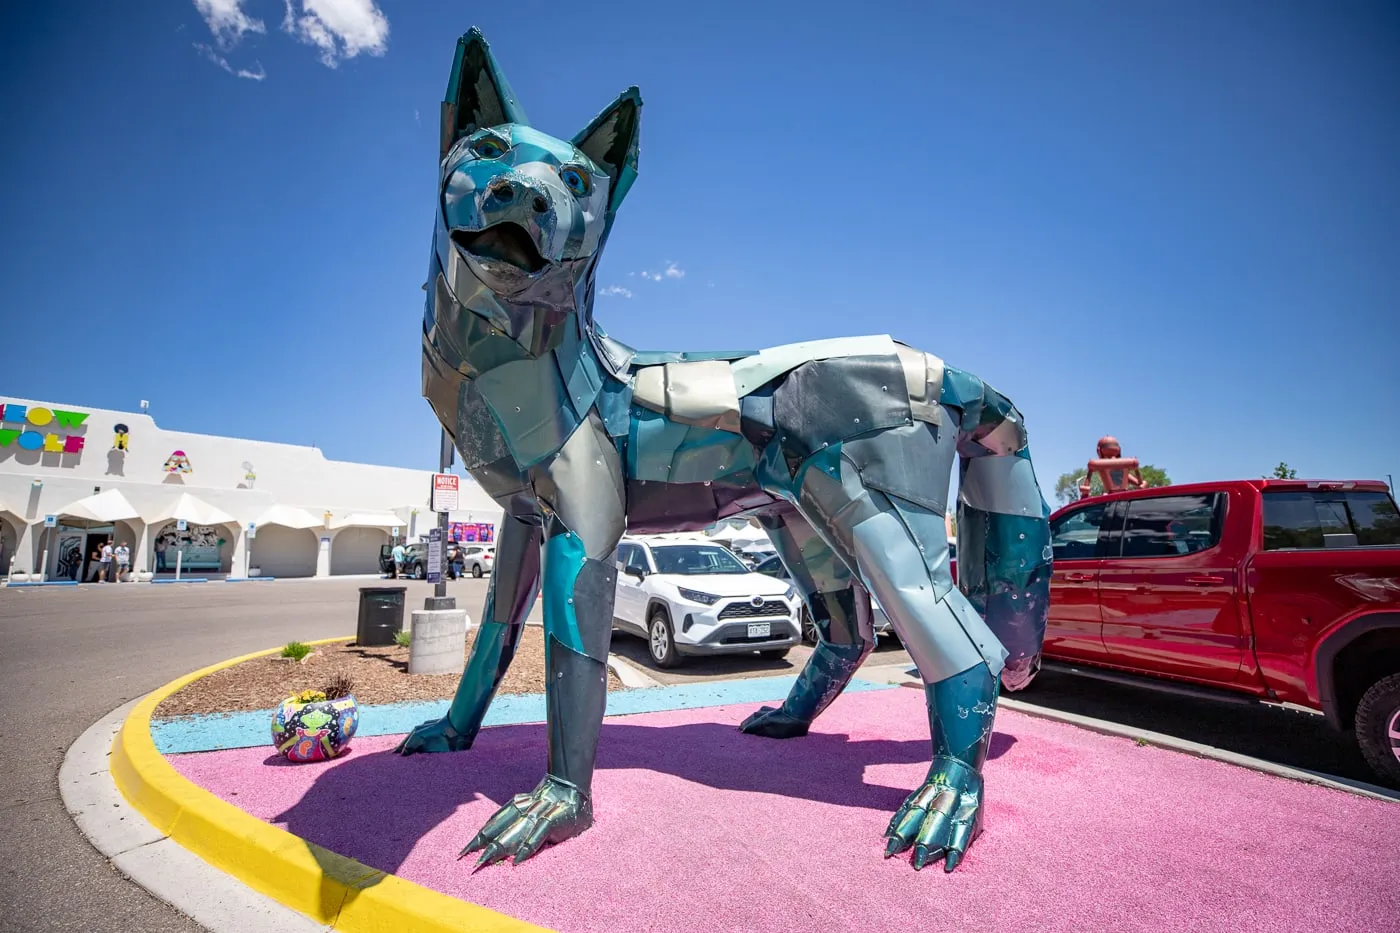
(693, 559)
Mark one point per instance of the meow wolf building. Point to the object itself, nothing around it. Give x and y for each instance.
(72, 476)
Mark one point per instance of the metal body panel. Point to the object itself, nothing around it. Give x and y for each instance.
(827, 401)
(756, 369)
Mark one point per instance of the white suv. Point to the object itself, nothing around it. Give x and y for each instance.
(687, 596)
(478, 559)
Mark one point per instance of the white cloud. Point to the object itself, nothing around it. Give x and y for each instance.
(339, 28)
(222, 62)
(227, 21)
(672, 271)
(617, 290)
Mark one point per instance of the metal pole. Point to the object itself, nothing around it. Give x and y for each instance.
(440, 597)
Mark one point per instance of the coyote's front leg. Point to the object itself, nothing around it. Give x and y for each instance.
(509, 598)
(581, 498)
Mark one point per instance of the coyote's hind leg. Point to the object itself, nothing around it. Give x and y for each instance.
(840, 609)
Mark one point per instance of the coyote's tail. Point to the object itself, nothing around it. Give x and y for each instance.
(1003, 526)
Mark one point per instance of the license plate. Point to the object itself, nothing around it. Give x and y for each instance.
(760, 629)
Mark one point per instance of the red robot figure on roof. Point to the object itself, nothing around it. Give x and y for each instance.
(1115, 471)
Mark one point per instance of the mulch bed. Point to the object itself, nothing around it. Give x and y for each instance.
(380, 675)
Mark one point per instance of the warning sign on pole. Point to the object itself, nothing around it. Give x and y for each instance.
(444, 492)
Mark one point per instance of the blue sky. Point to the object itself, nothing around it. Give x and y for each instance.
(1178, 223)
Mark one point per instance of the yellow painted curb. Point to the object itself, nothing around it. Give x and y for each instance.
(332, 889)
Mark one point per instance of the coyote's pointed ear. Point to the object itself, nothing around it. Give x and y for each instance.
(611, 141)
(477, 93)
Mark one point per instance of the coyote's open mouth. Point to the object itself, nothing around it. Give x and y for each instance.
(506, 242)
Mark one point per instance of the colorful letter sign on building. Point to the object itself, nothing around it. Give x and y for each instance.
(37, 429)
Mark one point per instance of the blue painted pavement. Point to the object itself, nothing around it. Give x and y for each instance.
(213, 731)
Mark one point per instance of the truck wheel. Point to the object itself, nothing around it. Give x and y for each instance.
(1378, 727)
(661, 642)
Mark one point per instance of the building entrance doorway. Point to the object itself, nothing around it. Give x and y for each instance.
(72, 554)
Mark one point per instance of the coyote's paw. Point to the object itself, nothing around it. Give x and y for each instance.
(940, 819)
(554, 811)
(773, 723)
(435, 736)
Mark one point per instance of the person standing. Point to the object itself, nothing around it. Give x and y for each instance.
(399, 555)
(160, 553)
(106, 561)
(94, 566)
(123, 555)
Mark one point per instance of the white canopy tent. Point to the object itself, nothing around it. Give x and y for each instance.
(369, 520)
(742, 539)
(288, 517)
(101, 509)
(193, 510)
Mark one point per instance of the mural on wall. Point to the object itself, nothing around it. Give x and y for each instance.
(116, 457)
(178, 463)
(478, 532)
(37, 429)
(198, 545)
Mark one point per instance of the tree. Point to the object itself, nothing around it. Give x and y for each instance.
(1284, 471)
(1154, 476)
(1067, 486)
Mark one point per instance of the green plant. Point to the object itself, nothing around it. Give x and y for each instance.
(403, 639)
(339, 687)
(295, 650)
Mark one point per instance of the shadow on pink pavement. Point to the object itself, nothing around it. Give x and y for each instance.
(372, 806)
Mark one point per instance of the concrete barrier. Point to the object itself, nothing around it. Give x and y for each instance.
(439, 642)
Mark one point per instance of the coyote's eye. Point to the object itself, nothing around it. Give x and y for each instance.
(489, 147)
(575, 179)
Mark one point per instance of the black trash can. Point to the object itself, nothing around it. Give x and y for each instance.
(381, 615)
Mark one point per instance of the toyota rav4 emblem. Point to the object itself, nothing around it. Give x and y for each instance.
(757, 601)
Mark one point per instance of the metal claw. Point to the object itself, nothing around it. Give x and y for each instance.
(494, 853)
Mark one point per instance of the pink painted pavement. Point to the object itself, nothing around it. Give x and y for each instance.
(700, 828)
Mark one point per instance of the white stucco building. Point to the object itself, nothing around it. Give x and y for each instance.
(312, 516)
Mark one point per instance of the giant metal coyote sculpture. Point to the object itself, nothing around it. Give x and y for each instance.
(841, 448)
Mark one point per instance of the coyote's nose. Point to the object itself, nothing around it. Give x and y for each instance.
(507, 191)
(503, 190)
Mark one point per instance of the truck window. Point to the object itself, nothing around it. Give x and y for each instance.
(1299, 519)
(1170, 526)
(1076, 536)
(1374, 518)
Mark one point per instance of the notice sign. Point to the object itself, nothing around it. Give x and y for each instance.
(445, 492)
(435, 555)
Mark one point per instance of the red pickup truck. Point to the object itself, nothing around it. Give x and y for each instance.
(1287, 591)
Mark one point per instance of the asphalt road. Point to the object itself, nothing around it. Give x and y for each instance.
(69, 655)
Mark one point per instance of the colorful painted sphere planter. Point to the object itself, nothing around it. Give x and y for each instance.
(314, 730)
